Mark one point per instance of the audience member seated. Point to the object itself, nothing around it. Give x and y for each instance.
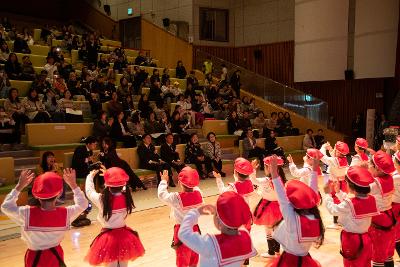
(140, 78)
(7, 129)
(180, 70)
(144, 106)
(151, 125)
(5, 84)
(34, 108)
(235, 83)
(233, 123)
(285, 125)
(4, 52)
(319, 138)
(50, 68)
(155, 93)
(48, 164)
(110, 158)
(260, 123)
(194, 154)
(15, 109)
(120, 64)
(170, 92)
(192, 81)
(140, 59)
(41, 84)
(64, 68)
(150, 160)
(169, 154)
(83, 157)
(55, 53)
(13, 67)
(27, 36)
(308, 141)
(114, 107)
(20, 45)
(155, 77)
(251, 149)
(124, 88)
(28, 72)
(136, 127)
(244, 122)
(271, 124)
(50, 104)
(213, 151)
(271, 146)
(59, 84)
(179, 126)
(70, 112)
(165, 76)
(102, 126)
(120, 131)
(103, 63)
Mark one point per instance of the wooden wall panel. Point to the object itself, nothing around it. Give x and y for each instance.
(276, 62)
(347, 98)
(166, 47)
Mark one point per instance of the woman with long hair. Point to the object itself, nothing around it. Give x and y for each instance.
(14, 108)
(117, 244)
(34, 108)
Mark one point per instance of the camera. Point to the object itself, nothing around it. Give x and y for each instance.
(95, 166)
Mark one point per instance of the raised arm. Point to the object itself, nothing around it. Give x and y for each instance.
(90, 189)
(80, 201)
(162, 191)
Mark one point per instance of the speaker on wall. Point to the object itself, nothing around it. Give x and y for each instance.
(166, 22)
(348, 74)
(107, 9)
(257, 54)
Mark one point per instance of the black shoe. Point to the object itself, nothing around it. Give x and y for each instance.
(203, 177)
(222, 174)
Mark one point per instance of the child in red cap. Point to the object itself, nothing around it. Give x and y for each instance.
(355, 215)
(43, 226)
(301, 226)
(267, 212)
(305, 173)
(361, 158)
(337, 168)
(230, 248)
(396, 198)
(190, 197)
(382, 230)
(116, 244)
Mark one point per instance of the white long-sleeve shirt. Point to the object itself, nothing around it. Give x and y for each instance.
(40, 240)
(117, 220)
(265, 188)
(222, 188)
(383, 201)
(286, 232)
(303, 174)
(344, 211)
(396, 180)
(203, 244)
(356, 160)
(335, 171)
(173, 200)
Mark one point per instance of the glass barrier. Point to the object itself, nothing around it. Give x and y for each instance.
(297, 101)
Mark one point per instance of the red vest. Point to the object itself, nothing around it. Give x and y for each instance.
(37, 219)
(190, 200)
(118, 203)
(363, 207)
(243, 188)
(342, 162)
(319, 172)
(232, 249)
(363, 156)
(307, 229)
(385, 184)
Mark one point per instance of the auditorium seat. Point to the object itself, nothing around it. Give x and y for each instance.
(22, 86)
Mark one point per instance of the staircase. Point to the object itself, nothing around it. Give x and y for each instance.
(23, 159)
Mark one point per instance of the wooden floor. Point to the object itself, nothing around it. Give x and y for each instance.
(155, 230)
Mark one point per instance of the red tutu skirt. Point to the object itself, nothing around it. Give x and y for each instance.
(47, 257)
(267, 213)
(121, 244)
(396, 211)
(290, 260)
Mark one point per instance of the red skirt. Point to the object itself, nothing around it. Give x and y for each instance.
(121, 244)
(356, 249)
(382, 233)
(267, 213)
(396, 211)
(184, 255)
(47, 257)
(343, 187)
(290, 260)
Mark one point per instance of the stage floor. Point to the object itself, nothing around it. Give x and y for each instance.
(155, 228)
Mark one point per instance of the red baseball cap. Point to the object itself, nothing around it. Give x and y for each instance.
(243, 166)
(232, 209)
(383, 161)
(47, 185)
(301, 195)
(189, 177)
(314, 153)
(360, 176)
(342, 147)
(361, 142)
(115, 177)
(267, 161)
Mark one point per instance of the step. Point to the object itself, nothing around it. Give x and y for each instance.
(231, 156)
(23, 161)
(17, 154)
(228, 150)
(19, 169)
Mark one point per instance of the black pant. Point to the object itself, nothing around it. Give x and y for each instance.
(159, 168)
(176, 166)
(20, 120)
(134, 180)
(217, 164)
(277, 151)
(128, 140)
(258, 153)
(199, 165)
(41, 117)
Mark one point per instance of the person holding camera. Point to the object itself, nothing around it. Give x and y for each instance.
(83, 157)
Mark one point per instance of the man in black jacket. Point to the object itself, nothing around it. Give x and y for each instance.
(83, 157)
(150, 160)
(170, 155)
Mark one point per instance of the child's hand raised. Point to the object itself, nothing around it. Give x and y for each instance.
(164, 176)
(255, 164)
(273, 167)
(217, 175)
(70, 177)
(207, 210)
(25, 179)
(290, 159)
(315, 164)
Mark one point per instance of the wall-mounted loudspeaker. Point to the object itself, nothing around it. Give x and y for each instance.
(107, 9)
(166, 22)
(257, 54)
(348, 74)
